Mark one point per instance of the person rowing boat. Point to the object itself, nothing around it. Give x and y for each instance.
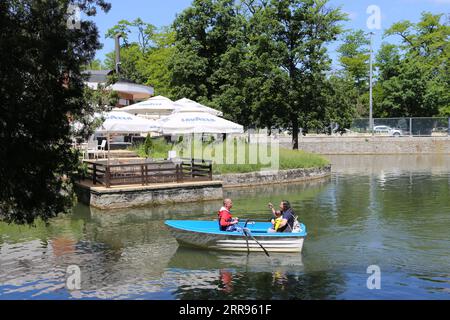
(226, 220)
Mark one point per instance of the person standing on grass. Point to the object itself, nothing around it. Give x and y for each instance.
(226, 220)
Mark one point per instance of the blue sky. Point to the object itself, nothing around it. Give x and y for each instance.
(162, 13)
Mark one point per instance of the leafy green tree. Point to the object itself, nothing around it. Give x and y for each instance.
(298, 32)
(354, 58)
(155, 64)
(41, 85)
(101, 98)
(341, 94)
(145, 61)
(235, 79)
(388, 61)
(204, 32)
(414, 76)
(130, 57)
(124, 27)
(263, 63)
(94, 65)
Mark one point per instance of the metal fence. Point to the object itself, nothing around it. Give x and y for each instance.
(402, 126)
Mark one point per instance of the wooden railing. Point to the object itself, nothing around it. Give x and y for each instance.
(147, 172)
(195, 170)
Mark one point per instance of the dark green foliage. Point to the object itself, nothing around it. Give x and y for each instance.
(414, 77)
(354, 57)
(148, 145)
(146, 61)
(263, 63)
(41, 88)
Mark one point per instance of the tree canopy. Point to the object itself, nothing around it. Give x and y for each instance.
(41, 85)
(264, 63)
(144, 61)
(414, 76)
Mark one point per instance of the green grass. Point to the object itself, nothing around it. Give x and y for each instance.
(159, 149)
(291, 159)
(288, 159)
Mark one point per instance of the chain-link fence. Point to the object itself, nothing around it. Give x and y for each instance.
(401, 126)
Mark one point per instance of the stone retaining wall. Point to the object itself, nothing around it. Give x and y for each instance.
(268, 177)
(376, 145)
(130, 197)
(138, 197)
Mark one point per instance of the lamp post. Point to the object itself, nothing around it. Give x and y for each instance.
(371, 85)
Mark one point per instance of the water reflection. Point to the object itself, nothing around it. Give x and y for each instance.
(188, 258)
(392, 164)
(253, 201)
(217, 275)
(229, 284)
(392, 211)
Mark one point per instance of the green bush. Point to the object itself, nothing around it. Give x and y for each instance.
(148, 145)
(154, 147)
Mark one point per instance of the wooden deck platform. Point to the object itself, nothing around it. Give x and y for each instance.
(87, 184)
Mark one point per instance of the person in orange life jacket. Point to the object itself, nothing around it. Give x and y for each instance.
(287, 214)
(226, 220)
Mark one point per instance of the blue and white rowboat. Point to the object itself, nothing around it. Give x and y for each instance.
(207, 235)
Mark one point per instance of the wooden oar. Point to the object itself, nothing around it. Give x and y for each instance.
(249, 234)
(246, 238)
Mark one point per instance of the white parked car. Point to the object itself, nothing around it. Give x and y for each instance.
(388, 130)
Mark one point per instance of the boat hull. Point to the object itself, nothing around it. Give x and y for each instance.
(234, 241)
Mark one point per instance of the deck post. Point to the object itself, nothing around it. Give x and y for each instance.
(108, 177)
(210, 172)
(146, 174)
(94, 173)
(142, 174)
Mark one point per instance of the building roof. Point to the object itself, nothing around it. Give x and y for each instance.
(97, 76)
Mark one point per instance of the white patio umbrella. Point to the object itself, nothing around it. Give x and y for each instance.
(156, 106)
(122, 122)
(187, 105)
(197, 122)
(135, 91)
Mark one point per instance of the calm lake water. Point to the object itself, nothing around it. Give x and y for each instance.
(389, 211)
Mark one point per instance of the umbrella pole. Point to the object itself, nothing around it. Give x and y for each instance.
(109, 147)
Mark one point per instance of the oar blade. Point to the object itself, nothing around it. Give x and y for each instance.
(247, 231)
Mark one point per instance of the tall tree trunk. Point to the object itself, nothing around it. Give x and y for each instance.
(295, 130)
(294, 111)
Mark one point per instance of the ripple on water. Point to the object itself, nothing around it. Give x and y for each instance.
(397, 219)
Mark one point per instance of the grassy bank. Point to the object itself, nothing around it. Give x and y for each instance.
(242, 162)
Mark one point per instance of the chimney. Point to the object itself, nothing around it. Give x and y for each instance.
(118, 54)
